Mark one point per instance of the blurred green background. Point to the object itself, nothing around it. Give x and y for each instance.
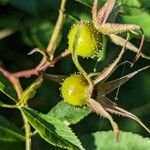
(26, 24)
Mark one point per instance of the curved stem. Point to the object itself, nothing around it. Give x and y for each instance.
(76, 61)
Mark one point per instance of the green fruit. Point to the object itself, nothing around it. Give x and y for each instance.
(75, 90)
(89, 39)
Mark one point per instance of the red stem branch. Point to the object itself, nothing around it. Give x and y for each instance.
(35, 71)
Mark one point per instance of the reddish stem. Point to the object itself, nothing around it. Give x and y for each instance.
(34, 71)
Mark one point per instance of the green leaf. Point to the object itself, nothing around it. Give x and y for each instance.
(7, 88)
(52, 130)
(68, 114)
(12, 146)
(29, 6)
(133, 3)
(31, 90)
(39, 33)
(145, 3)
(9, 21)
(9, 132)
(142, 19)
(4, 2)
(127, 141)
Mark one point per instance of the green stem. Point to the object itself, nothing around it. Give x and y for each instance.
(27, 132)
(76, 61)
(53, 40)
(19, 91)
(7, 106)
(60, 21)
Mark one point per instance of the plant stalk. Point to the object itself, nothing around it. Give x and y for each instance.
(27, 132)
(60, 21)
(53, 40)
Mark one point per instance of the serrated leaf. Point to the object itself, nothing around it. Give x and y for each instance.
(127, 141)
(7, 88)
(9, 132)
(68, 114)
(52, 130)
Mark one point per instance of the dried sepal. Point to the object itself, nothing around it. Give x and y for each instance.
(99, 20)
(114, 109)
(113, 28)
(109, 70)
(100, 110)
(100, 17)
(109, 86)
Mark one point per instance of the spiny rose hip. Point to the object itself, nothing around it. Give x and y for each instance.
(74, 90)
(89, 40)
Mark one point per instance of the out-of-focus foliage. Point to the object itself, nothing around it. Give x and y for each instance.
(127, 141)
